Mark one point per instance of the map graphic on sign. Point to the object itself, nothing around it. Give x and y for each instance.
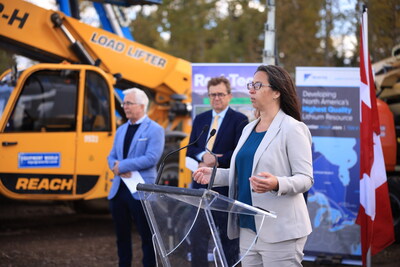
(332, 203)
(330, 108)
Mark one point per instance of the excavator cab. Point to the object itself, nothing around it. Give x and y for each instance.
(56, 117)
(59, 122)
(6, 87)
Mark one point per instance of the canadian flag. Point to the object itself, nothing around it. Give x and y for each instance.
(375, 215)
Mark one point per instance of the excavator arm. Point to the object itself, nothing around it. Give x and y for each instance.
(64, 110)
(50, 36)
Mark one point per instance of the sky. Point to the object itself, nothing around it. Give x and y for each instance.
(49, 4)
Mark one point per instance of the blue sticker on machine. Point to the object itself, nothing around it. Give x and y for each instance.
(39, 160)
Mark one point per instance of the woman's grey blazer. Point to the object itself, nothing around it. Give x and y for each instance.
(285, 151)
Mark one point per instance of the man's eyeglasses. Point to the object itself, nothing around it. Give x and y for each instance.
(127, 103)
(256, 86)
(220, 95)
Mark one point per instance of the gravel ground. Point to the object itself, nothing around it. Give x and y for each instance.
(48, 234)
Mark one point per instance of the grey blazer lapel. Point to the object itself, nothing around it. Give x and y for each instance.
(269, 136)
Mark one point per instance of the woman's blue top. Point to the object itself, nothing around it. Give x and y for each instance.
(244, 166)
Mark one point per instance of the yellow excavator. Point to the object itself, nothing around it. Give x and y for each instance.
(59, 117)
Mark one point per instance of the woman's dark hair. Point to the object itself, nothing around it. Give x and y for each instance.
(280, 81)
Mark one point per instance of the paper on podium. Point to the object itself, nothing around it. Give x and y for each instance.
(133, 181)
(191, 164)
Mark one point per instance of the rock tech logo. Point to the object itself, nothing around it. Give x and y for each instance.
(306, 76)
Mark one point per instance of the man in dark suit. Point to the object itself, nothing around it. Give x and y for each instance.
(137, 148)
(229, 125)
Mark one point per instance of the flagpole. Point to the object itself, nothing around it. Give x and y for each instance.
(366, 57)
(375, 216)
(369, 260)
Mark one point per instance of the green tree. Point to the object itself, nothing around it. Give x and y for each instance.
(7, 60)
(199, 32)
(383, 27)
(308, 32)
(187, 23)
(346, 29)
(238, 36)
(146, 29)
(297, 27)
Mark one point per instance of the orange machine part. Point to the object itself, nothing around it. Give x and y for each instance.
(388, 135)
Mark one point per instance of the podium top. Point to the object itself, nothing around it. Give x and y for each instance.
(205, 199)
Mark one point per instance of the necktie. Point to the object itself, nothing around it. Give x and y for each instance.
(214, 125)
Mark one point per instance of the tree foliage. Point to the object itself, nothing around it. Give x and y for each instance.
(308, 32)
(199, 32)
(238, 35)
(7, 60)
(297, 33)
(187, 24)
(383, 27)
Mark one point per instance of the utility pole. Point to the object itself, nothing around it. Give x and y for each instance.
(269, 56)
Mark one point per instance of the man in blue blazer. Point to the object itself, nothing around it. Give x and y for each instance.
(137, 148)
(229, 125)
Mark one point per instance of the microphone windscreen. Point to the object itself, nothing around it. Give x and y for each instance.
(213, 131)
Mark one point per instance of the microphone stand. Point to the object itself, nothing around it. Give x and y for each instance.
(161, 168)
(214, 169)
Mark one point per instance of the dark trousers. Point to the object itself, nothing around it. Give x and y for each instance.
(201, 235)
(124, 208)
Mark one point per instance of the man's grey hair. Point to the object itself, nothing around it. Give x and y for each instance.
(140, 96)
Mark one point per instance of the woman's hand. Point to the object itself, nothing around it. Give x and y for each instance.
(202, 175)
(264, 182)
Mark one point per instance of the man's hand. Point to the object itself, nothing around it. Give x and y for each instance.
(209, 160)
(125, 175)
(202, 164)
(115, 169)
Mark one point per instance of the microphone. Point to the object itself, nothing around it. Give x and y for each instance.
(212, 133)
(161, 168)
(214, 170)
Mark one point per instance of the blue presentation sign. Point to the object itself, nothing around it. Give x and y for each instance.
(330, 108)
(39, 160)
(238, 75)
